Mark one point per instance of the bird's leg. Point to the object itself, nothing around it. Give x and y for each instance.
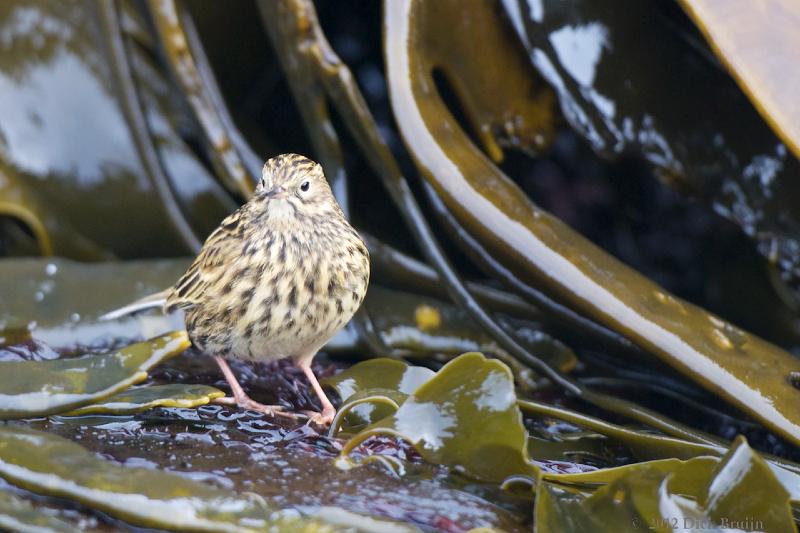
(241, 398)
(328, 411)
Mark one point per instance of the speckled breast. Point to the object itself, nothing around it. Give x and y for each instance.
(292, 309)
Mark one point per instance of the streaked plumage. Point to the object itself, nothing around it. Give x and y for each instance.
(278, 277)
(282, 284)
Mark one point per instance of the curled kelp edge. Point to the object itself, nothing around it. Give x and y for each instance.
(745, 370)
(37, 388)
(455, 418)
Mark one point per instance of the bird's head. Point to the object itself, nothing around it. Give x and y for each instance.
(293, 185)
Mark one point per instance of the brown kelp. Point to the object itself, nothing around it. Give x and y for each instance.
(709, 141)
(447, 423)
(588, 394)
(748, 371)
(761, 64)
(36, 388)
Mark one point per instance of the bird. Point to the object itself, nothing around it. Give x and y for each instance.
(276, 279)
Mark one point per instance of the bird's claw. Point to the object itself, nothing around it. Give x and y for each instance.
(322, 419)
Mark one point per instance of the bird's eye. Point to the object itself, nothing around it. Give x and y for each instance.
(305, 185)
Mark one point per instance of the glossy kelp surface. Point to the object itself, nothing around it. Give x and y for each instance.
(378, 374)
(698, 494)
(762, 59)
(36, 388)
(372, 390)
(17, 514)
(136, 400)
(51, 465)
(376, 389)
(677, 107)
(70, 132)
(709, 485)
(467, 417)
(749, 372)
(643, 445)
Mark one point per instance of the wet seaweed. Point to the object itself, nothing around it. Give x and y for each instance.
(561, 413)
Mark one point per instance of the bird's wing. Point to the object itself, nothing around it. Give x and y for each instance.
(211, 265)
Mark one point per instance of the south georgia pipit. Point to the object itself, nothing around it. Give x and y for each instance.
(277, 279)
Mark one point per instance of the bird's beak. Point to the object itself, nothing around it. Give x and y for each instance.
(277, 193)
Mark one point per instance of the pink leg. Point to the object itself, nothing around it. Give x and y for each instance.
(328, 411)
(241, 398)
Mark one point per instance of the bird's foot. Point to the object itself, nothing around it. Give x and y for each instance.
(248, 403)
(323, 419)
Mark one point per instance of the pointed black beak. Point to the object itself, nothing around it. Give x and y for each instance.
(276, 193)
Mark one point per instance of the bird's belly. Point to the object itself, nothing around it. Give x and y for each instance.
(288, 312)
(282, 342)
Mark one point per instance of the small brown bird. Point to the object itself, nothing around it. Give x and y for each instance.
(278, 278)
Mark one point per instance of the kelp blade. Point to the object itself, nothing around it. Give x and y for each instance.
(747, 371)
(38, 388)
(141, 399)
(54, 466)
(378, 374)
(702, 493)
(19, 515)
(465, 416)
(762, 59)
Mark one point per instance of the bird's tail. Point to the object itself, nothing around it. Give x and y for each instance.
(158, 299)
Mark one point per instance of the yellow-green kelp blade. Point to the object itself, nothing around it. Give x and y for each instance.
(38, 388)
(702, 493)
(758, 41)
(465, 416)
(19, 515)
(143, 398)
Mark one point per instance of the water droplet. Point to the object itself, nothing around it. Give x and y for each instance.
(727, 336)
(32, 325)
(39, 296)
(669, 300)
(717, 322)
(51, 269)
(721, 339)
(75, 317)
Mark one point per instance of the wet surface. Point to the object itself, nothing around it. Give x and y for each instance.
(540, 249)
(66, 134)
(290, 464)
(637, 78)
(159, 144)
